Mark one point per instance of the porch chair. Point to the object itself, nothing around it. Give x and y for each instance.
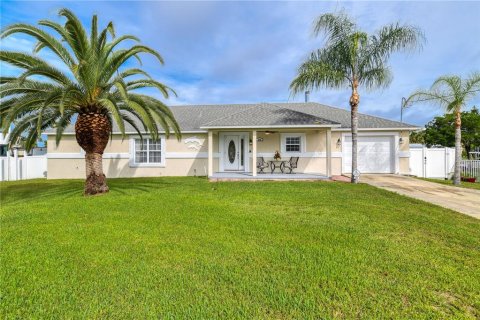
(291, 164)
(261, 164)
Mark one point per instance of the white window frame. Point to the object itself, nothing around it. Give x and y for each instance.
(283, 142)
(147, 164)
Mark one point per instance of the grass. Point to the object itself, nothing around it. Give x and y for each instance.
(185, 248)
(468, 185)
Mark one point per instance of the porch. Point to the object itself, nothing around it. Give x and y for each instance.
(249, 176)
(235, 154)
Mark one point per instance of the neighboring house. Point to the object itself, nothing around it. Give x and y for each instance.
(4, 144)
(229, 138)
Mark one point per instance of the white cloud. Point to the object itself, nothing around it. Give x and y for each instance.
(227, 52)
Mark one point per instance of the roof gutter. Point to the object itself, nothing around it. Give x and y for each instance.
(381, 129)
(133, 132)
(275, 126)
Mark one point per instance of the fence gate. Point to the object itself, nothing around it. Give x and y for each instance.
(432, 162)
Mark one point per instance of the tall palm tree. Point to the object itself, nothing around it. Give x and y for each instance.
(94, 91)
(451, 93)
(353, 58)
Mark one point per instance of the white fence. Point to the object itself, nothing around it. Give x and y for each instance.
(21, 168)
(471, 168)
(432, 162)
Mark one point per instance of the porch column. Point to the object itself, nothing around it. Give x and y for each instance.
(254, 153)
(210, 153)
(329, 152)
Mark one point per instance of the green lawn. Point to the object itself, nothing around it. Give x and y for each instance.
(468, 185)
(185, 248)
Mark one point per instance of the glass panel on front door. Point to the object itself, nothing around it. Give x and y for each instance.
(234, 153)
(231, 151)
(242, 152)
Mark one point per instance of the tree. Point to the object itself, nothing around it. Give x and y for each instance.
(471, 130)
(417, 137)
(353, 58)
(451, 93)
(441, 130)
(94, 91)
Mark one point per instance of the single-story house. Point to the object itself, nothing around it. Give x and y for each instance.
(231, 138)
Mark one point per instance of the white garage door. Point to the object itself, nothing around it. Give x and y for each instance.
(375, 154)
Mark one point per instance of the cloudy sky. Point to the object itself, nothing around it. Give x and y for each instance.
(241, 52)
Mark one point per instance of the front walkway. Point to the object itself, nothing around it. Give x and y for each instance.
(236, 176)
(463, 200)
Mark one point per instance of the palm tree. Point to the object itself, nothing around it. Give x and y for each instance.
(451, 93)
(94, 91)
(353, 58)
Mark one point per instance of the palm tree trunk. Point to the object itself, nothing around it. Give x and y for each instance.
(458, 147)
(92, 131)
(96, 182)
(354, 101)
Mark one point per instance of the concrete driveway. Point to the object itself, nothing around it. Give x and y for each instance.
(463, 200)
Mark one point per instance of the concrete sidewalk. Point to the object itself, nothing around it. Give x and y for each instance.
(463, 200)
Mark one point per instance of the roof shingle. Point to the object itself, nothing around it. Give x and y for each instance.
(197, 117)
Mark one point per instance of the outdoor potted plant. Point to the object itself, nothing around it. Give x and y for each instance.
(468, 178)
(276, 156)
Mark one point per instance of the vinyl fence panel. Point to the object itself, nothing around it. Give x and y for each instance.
(432, 162)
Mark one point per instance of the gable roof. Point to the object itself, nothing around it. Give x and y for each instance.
(192, 118)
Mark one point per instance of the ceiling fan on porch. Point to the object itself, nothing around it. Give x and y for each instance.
(270, 132)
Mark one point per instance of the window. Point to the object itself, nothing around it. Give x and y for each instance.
(149, 152)
(293, 142)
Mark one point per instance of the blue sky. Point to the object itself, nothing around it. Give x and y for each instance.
(241, 52)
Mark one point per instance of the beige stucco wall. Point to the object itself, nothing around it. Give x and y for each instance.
(177, 163)
(68, 144)
(315, 143)
(115, 168)
(63, 165)
(404, 162)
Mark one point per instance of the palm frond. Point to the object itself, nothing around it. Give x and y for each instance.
(48, 41)
(336, 27)
(393, 38)
(319, 71)
(376, 77)
(113, 109)
(144, 83)
(76, 31)
(95, 84)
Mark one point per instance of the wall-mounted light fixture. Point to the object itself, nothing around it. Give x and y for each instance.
(339, 142)
(400, 140)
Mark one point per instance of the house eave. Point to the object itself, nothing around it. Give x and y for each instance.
(128, 133)
(381, 129)
(275, 127)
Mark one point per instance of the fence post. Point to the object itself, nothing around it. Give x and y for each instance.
(24, 165)
(424, 162)
(446, 162)
(8, 166)
(15, 160)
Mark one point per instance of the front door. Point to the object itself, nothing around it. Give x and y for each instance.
(232, 153)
